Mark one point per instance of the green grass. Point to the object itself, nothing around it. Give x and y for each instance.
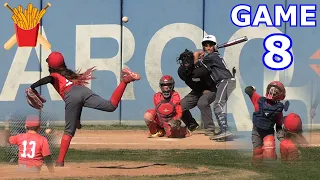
(309, 168)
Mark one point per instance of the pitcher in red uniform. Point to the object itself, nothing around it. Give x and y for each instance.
(164, 119)
(33, 148)
(70, 86)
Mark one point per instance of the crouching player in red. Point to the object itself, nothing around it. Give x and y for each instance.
(164, 119)
(33, 148)
(71, 87)
(293, 138)
(267, 113)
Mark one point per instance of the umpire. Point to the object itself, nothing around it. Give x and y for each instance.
(224, 79)
(203, 93)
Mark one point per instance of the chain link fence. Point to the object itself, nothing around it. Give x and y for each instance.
(16, 122)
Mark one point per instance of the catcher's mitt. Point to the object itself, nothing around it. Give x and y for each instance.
(176, 124)
(34, 99)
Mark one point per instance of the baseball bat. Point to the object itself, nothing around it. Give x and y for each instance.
(11, 42)
(44, 42)
(233, 42)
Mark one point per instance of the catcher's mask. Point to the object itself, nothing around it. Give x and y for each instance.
(166, 85)
(186, 60)
(292, 123)
(276, 91)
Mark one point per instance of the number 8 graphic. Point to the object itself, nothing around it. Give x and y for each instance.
(277, 45)
(33, 149)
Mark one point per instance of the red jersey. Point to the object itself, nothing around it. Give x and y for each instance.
(32, 148)
(172, 107)
(61, 84)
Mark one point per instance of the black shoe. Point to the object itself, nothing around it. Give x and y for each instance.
(193, 127)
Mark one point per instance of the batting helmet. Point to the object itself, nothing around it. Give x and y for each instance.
(292, 123)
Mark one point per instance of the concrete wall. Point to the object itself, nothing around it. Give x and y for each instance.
(89, 33)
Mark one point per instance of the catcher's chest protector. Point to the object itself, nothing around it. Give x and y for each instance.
(165, 109)
(265, 117)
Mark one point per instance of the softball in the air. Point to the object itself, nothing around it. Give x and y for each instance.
(48, 131)
(125, 19)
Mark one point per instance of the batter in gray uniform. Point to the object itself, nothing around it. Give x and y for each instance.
(224, 79)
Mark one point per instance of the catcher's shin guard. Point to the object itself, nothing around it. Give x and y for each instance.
(257, 155)
(269, 148)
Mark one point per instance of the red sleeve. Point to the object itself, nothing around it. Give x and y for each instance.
(279, 120)
(176, 101)
(156, 99)
(14, 139)
(45, 148)
(254, 99)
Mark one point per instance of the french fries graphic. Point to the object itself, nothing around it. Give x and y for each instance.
(27, 23)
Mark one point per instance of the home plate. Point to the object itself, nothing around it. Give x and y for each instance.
(168, 139)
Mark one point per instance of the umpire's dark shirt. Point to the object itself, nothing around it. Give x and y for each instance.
(218, 66)
(199, 80)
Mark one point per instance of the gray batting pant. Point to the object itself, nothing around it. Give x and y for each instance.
(77, 98)
(224, 89)
(203, 102)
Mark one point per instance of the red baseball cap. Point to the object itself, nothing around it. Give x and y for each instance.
(32, 121)
(55, 59)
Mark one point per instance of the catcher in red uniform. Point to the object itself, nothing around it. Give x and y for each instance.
(268, 112)
(289, 147)
(70, 86)
(164, 119)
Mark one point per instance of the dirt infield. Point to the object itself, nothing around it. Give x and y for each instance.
(127, 169)
(137, 139)
(100, 169)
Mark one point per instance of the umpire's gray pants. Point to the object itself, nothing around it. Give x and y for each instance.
(203, 101)
(224, 89)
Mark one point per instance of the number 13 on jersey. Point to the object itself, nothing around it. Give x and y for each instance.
(277, 54)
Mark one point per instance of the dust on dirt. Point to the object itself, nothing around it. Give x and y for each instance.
(99, 169)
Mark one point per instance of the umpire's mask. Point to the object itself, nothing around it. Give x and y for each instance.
(186, 60)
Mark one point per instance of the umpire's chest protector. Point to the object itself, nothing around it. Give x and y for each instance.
(265, 117)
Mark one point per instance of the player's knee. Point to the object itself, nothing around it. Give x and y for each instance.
(149, 115)
(202, 104)
(111, 108)
(183, 104)
(70, 131)
(269, 148)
